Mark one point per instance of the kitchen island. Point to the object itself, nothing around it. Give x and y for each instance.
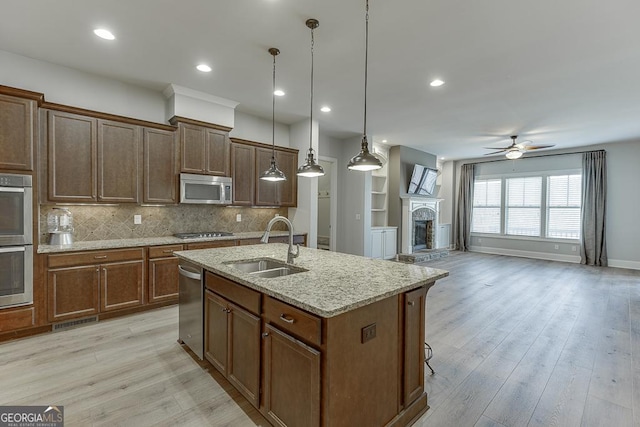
(340, 341)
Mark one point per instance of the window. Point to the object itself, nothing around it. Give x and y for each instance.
(563, 206)
(486, 206)
(523, 206)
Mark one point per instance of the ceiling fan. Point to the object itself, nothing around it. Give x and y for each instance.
(515, 151)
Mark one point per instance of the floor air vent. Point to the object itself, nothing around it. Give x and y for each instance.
(71, 323)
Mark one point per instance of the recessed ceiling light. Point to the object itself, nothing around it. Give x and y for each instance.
(204, 68)
(436, 83)
(384, 141)
(104, 34)
(278, 92)
(325, 109)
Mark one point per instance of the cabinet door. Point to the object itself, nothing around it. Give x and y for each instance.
(119, 160)
(243, 158)
(266, 191)
(216, 336)
(73, 292)
(17, 130)
(376, 244)
(291, 380)
(163, 279)
(121, 285)
(159, 165)
(243, 369)
(390, 241)
(218, 147)
(192, 148)
(413, 371)
(72, 157)
(288, 190)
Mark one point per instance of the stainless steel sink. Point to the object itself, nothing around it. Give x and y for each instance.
(265, 267)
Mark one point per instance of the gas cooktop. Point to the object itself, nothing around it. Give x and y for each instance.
(202, 234)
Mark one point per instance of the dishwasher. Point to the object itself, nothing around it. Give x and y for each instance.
(191, 308)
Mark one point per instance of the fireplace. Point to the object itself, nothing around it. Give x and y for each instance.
(419, 223)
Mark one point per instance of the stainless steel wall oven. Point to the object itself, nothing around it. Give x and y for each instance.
(16, 240)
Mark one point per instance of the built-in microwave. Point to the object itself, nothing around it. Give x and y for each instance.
(205, 189)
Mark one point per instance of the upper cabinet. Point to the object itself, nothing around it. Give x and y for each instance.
(203, 150)
(160, 155)
(17, 132)
(248, 161)
(93, 160)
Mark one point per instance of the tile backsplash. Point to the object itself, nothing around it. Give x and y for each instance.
(116, 222)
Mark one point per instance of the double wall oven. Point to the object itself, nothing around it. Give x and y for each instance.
(16, 240)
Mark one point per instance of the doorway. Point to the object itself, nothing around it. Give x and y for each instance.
(327, 206)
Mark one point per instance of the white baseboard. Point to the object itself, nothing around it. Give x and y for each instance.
(617, 263)
(526, 254)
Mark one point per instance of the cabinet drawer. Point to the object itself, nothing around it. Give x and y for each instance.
(94, 257)
(163, 251)
(16, 319)
(241, 295)
(293, 320)
(209, 245)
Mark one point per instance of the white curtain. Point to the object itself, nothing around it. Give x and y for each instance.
(465, 205)
(593, 246)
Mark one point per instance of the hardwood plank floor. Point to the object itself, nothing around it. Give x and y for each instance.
(516, 342)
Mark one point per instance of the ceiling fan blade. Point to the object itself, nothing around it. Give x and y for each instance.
(495, 152)
(499, 148)
(536, 147)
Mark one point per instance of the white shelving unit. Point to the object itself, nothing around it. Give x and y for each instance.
(379, 202)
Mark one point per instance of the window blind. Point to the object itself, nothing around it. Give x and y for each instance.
(487, 195)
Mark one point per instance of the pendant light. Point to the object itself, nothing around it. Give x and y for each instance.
(310, 168)
(273, 173)
(364, 160)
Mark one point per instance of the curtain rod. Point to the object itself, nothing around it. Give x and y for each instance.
(541, 155)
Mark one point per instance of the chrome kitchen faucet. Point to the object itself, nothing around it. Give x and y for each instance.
(290, 253)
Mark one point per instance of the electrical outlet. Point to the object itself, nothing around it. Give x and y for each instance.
(556, 247)
(238, 217)
(368, 333)
(357, 217)
(137, 219)
(574, 248)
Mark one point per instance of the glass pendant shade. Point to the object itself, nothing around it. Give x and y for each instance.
(310, 168)
(273, 174)
(364, 160)
(514, 154)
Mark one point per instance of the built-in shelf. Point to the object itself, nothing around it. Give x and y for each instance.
(379, 196)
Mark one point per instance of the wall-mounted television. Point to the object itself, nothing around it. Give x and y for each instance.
(423, 181)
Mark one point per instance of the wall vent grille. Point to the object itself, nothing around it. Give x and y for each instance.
(71, 323)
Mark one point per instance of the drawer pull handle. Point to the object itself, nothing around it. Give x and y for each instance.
(168, 251)
(287, 319)
(411, 303)
(100, 257)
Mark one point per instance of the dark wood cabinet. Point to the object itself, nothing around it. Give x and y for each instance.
(204, 150)
(119, 162)
(17, 132)
(266, 191)
(291, 380)
(87, 283)
(288, 190)
(163, 273)
(413, 366)
(232, 336)
(72, 157)
(209, 245)
(160, 174)
(73, 292)
(243, 172)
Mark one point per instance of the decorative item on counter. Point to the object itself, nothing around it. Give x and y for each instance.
(60, 226)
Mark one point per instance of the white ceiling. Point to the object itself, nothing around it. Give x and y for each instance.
(555, 72)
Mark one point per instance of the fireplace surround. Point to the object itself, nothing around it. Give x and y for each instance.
(419, 210)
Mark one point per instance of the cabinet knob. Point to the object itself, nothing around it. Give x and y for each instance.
(411, 303)
(265, 334)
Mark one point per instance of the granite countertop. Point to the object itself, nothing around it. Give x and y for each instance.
(92, 245)
(335, 283)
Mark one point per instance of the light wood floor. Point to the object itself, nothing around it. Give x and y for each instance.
(516, 342)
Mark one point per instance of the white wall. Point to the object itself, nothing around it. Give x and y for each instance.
(623, 204)
(258, 129)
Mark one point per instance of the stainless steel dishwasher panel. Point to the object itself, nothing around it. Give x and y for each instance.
(191, 307)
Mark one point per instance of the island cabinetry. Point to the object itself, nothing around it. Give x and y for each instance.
(163, 273)
(413, 347)
(232, 334)
(17, 132)
(93, 160)
(291, 368)
(87, 283)
(160, 174)
(203, 150)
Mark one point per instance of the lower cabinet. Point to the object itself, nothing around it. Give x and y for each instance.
(87, 283)
(384, 242)
(291, 380)
(163, 273)
(413, 366)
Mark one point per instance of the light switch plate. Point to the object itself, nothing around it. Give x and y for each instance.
(238, 217)
(137, 219)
